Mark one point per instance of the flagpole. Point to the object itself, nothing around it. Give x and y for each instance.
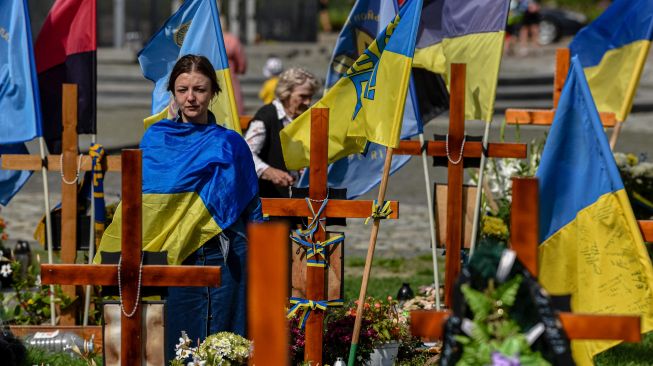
(616, 131)
(479, 189)
(48, 223)
(91, 243)
(434, 242)
(368, 260)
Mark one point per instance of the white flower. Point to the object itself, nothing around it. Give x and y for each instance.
(5, 270)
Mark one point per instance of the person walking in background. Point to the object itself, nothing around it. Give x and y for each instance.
(530, 26)
(271, 70)
(237, 63)
(294, 94)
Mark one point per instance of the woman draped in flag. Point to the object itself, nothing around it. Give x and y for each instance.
(199, 192)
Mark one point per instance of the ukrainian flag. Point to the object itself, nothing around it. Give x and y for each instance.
(470, 32)
(193, 29)
(189, 194)
(591, 245)
(613, 50)
(367, 103)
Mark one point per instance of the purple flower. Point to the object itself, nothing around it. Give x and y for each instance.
(501, 360)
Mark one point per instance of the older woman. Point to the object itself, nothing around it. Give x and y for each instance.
(294, 93)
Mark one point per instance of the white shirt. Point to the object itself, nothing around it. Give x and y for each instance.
(255, 137)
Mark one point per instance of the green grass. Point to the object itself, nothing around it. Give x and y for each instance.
(628, 354)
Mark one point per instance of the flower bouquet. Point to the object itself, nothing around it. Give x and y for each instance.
(220, 349)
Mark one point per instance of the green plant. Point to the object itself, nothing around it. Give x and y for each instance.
(30, 302)
(39, 356)
(494, 335)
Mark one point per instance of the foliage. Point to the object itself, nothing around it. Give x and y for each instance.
(220, 349)
(637, 175)
(30, 303)
(495, 337)
(39, 356)
(628, 354)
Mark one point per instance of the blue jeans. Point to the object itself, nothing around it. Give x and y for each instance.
(202, 311)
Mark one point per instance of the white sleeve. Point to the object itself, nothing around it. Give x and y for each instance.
(255, 137)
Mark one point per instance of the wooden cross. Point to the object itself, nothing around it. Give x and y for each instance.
(267, 293)
(524, 241)
(455, 151)
(69, 172)
(315, 287)
(132, 275)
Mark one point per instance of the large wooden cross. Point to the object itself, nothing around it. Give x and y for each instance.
(456, 149)
(131, 275)
(524, 241)
(316, 283)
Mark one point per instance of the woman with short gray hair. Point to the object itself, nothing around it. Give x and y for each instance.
(294, 94)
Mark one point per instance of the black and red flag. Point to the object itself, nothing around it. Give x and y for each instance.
(65, 52)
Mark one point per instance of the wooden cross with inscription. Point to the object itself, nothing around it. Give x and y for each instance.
(524, 241)
(456, 149)
(315, 286)
(131, 275)
(69, 170)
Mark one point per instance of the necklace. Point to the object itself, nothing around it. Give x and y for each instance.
(79, 167)
(460, 155)
(138, 288)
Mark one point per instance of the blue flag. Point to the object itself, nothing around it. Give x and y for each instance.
(20, 119)
(359, 173)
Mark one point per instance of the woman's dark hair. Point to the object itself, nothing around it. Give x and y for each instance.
(190, 63)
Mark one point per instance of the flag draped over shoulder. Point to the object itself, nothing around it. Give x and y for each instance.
(367, 104)
(612, 50)
(197, 181)
(591, 246)
(193, 29)
(20, 119)
(65, 52)
(470, 32)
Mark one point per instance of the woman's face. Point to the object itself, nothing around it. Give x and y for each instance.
(192, 95)
(299, 100)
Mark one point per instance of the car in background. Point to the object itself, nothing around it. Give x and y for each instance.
(557, 23)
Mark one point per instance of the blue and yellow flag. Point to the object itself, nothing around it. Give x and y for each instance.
(367, 104)
(193, 29)
(612, 50)
(591, 246)
(20, 116)
(197, 181)
(470, 32)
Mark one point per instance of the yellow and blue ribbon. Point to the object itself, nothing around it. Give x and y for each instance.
(96, 152)
(316, 219)
(317, 248)
(303, 308)
(379, 212)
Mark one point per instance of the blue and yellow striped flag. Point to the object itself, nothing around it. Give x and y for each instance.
(193, 29)
(470, 32)
(189, 195)
(367, 103)
(591, 244)
(612, 50)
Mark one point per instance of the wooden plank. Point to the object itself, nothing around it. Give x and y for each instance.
(244, 122)
(33, 162)
(315, 276)
(87, 332)
(602, 327)
(428, 324)
(455, 177)
(646, 227)
(334, 274)
(131, 334)
(544, 117)
(267, 293)
(297, 207)
(107, 274)
(472, 149)
(524, 221)
(560, 74)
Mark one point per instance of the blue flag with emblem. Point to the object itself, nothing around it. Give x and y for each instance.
(20, 119)
(359, 173)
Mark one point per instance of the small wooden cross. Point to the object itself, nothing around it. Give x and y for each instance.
(132, 275)
(524, 241)
(315, 287)
(456, 149)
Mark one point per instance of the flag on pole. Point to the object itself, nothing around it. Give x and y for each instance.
(612, 51)
(370, 98)
(194, 29)
(470, 32)
(591, 246)
(65, 52)
(20, 119)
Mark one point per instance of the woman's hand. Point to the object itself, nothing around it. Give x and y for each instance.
(278, 177)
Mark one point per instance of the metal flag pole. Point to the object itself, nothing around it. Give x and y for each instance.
(479, 189)
(48, 223)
